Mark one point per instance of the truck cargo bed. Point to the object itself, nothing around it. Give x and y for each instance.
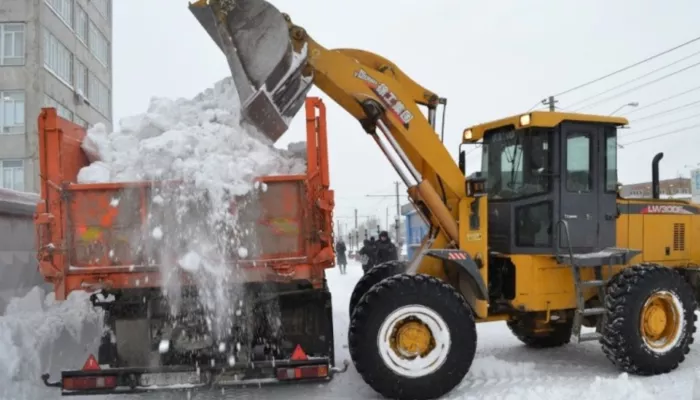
(87, 232)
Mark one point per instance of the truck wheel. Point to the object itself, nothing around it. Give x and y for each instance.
(375, 275)
(412, 337)
(650, 320)
(559, 335)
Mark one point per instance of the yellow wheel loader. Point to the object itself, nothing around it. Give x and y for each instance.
(540, 237)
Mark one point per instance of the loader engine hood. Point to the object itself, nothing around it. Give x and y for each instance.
(254, 37)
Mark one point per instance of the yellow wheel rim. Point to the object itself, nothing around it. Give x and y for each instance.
(661, 321)
(412, 338)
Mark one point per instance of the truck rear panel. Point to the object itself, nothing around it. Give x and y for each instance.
(87, 232)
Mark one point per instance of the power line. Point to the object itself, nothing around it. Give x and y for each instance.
(627, 134)
(664, 99)
(661, 135)
(628, 67)
(639, 86)
(686, 105)
(635, 79)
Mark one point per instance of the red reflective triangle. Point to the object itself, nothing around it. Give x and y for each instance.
(298, 354)
(91, 364)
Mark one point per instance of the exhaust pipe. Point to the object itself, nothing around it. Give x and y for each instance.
(655, 190)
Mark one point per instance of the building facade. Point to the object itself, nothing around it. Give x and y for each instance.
(680, 188)
(415, 229)
(53, 53)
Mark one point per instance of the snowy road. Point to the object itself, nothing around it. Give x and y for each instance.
(503, 369)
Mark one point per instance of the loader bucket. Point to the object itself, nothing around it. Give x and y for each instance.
(254, 37)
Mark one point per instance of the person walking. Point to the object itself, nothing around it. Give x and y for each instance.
(340, 250)
(368, 254)
(386, 250)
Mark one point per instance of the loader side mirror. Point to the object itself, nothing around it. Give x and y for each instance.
(462, 161)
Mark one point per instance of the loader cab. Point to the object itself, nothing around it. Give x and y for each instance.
(543, 167)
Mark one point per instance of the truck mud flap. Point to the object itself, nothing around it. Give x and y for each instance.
(182, 378)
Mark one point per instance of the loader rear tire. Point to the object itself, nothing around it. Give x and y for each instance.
(650, 319)
(558, 336)
(375, 275)
(412, 337)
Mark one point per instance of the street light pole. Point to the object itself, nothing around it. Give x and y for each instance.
(631, 104)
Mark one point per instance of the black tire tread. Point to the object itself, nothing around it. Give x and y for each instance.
(616, 340)
(375, 275)
(440, 384)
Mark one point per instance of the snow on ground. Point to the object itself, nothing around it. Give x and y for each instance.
(38, 335)
(503, 369)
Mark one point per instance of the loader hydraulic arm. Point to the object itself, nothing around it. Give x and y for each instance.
(274, 63)
(385, 101)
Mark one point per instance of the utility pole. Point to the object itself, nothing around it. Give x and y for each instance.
(357, 232)
(550, 101)
(387, 219)
(397, 195)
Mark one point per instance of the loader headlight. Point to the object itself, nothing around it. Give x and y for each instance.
(525, 120)
(468, 134)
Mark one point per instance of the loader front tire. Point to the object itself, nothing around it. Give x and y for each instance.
(650, 320)
(375, 275)
(412, 337)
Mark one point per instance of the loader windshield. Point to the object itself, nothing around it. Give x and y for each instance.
(516, 163)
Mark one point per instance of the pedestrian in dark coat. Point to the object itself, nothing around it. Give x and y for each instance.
(386, 250)
(340, 250)
(368, 255)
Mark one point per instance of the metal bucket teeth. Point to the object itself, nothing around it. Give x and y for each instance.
(267, 73)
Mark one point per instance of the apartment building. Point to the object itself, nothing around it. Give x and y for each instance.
(53, 53)
(676, 187)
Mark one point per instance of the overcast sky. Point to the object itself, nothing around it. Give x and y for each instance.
(489, 58)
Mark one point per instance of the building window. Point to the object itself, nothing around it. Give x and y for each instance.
(81, 24)
(61, 110)
(64, 10)
(99, 47)
(12, 44)
(81, 76)
(98, 95)
(57, 58)
(80, 121)
(12, 111)
(102, 7)
(12, 176)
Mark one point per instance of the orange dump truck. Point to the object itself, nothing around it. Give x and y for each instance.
(89, 241)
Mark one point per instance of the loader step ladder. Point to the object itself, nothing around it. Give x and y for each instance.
(596, 261)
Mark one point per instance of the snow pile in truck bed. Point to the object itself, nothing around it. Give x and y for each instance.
(199, 140)
(36, 330)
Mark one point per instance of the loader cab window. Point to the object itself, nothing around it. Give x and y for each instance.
(611, 161)
(578, 163)
(517, 163)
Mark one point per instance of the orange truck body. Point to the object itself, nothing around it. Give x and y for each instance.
(83, 239)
